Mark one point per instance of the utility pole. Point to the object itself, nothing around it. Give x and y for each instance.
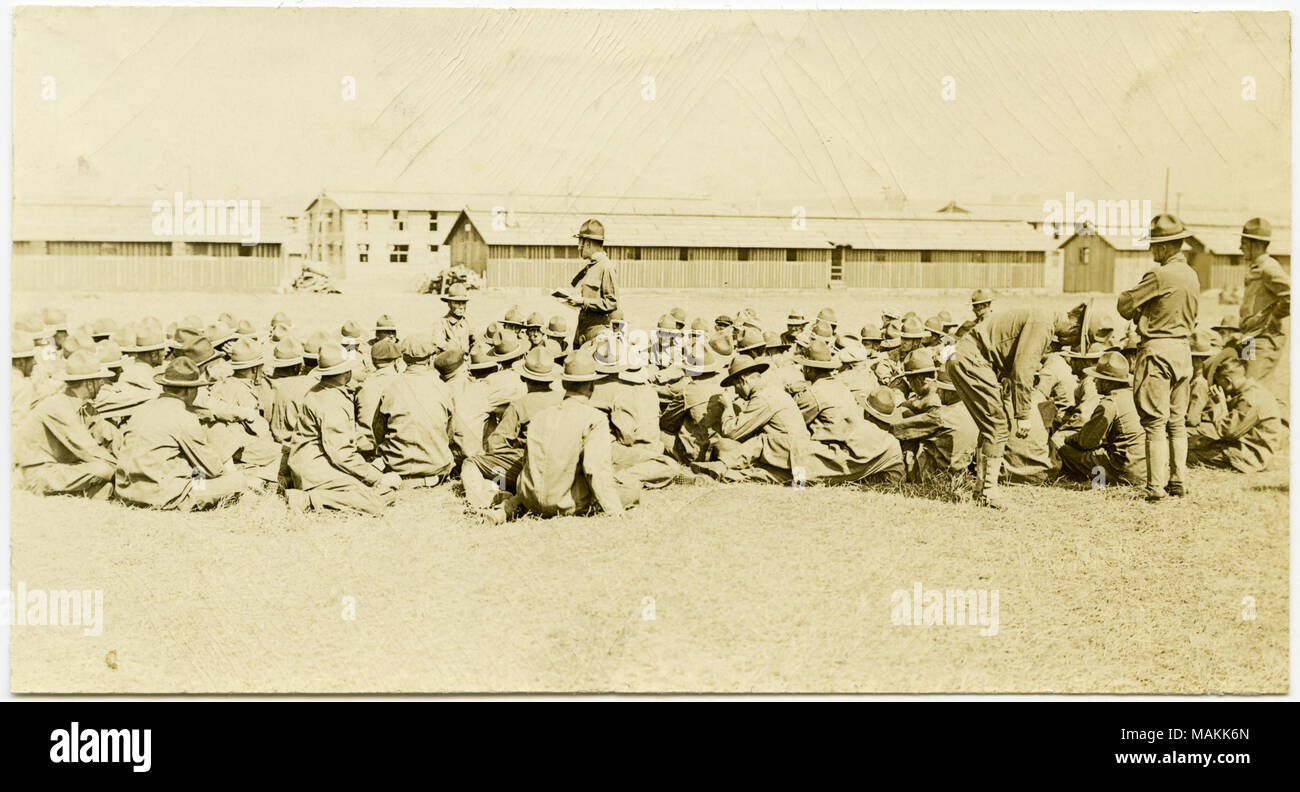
(1178, 204)
(1166, 208)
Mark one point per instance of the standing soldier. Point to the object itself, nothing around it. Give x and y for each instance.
(1266, 302)
(452, 330)
(594, 289)
(1007, 346)
(1164, 305)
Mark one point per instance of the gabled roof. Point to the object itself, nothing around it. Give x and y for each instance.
(947, 233)
(651, 230)
(401, 201)
(59, 221)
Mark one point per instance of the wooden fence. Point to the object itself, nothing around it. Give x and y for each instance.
(158, 273)
(945, 270)
(664, 268)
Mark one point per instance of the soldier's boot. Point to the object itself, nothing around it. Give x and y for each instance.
(1157, 468)
(478, 490)
(298, 500)
(1178, 464)
(990, 492)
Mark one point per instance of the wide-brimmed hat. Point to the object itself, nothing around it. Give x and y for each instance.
(1257, 228)
(592, 229)
(141, 338)
(883, 404)
(384, 350)
(312, 346)
(102, 328)
(1165, 227)
(935, 326)
(514, 316)
(580, 367)
(699, 361)
(981, 296)
(84, 364)
(678, 316)
(182, 373)
(796, 317)
(1093, 352)
(870, 332)
(245, 354)
(219, 333)
(1112, 366)
(507, 348)
(456, 292)
(890, 342)
(751, 340)
(852, 352)
(281, 318)
(110, 354)
(535, 321)
(722, 320)
(333, 360)
(667, 325)
(480, 358)
(1205, 343)
(538, 366)
(1231, 322)
(287, 352)
(913, 328)
(54, 319)
(419, 347)
(199, 350)
(557, 327)
(819, 355)
(828, 316)
(245, 329)
(350, 334)
(385, 322)
(773, 340)
(918, 361)
(23, 347)
(743, 364)
(78, 339)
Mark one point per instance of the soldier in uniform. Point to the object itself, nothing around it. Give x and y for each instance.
(1164, 304)
(567, 459)
(1266, 301)
(328, 470)
(168, 460)
(1007, 346)
(1113, 439)
(452, 330)
(940, 441)
(503, 458)
(594, 289)
(54, 449)
(383, 356)
(1247, 429)
(413, 423)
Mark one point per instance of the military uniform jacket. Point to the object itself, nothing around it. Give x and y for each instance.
(567, 464)
(368, 395)
(946, 437)
(634, 415)
(1267, 298)
(56, 431)
(1115, 427)
(450, 332)
(771, 415)
(1251, 429)
(1014, 343)
(286, 404)
(1165, 301)
(165, 452)
(413, 425)
(512, 431)
(325, 444)
(597, 292)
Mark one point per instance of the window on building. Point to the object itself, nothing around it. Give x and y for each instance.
(742, 254)
(433, 248)
(683, 254)
(632, 253)
(397, 253)
(398, 223)
(791, 254)
(925, 255)
(1085, 255)
(246, 250)
(879, 255)
(365, 220)
(977, 256)
(433, 221)
(363, 253)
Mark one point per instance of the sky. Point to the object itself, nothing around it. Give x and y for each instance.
(832, 111)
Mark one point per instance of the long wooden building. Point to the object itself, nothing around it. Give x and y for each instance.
(117, 247)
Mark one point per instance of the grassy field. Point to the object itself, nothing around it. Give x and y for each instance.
(699, 588)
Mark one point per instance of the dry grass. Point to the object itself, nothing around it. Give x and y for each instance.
(755, 588)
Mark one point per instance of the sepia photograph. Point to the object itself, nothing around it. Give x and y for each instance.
(429, 350)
